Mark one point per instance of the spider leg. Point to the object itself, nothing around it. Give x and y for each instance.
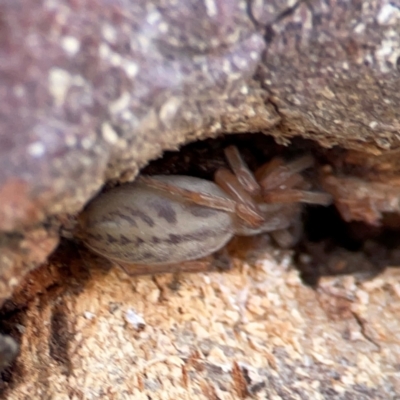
(294, 181)
(297, 196)
(268, 167)
(275, 173)
(219, 261)
(282, 183)
(201, 199)
(241, 170)
(246, 208)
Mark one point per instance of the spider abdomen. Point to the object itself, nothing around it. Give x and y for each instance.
(135, 223)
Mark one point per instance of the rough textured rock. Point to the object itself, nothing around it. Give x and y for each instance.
(257, 331)
(333, 72)
(91, 91)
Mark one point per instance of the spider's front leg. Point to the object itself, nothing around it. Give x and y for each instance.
(276, 172)
(241, 170)
(283, 183)
(199, 198)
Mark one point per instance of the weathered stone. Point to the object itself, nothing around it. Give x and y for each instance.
(92, 91)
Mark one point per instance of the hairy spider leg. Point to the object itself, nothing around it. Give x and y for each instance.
(219, 261)
(298, 196)
(201, 199)
(277, 172)
(241, 170)
(268, 167)
(283, 183)
(244, 211)
(246, 208)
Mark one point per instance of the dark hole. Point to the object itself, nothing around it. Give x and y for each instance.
(269, 34)
(10, 324)
(331, 246)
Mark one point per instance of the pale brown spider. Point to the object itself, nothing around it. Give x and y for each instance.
(165, 223)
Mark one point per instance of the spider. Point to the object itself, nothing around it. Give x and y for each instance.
(170, 223)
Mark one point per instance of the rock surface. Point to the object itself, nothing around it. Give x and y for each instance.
(92, 91)
(256, 331)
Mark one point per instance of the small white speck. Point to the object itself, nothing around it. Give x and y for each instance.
(59, 83)
(373, 124)
(296, 101)
(153, 17)
(134, 319)
(70, 44)
(214, 42)
(211, 7)
(130, 67)
(169, 109)
(385, 49)
(36, 149)
(89, 315)
(226, 66)
(388, 14)
(104, 51)
(127, 115)
(13, 282)
(359, 28)
(87, 143)
(108, 133)
(327, 93)
(120, 104)
(240, 62)
(215, 127)
(362, 296)
(244, 89)
(141, 41)
(354, 336)
(115, 59)
(163, 27)
(254, 55)
(109, 33)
